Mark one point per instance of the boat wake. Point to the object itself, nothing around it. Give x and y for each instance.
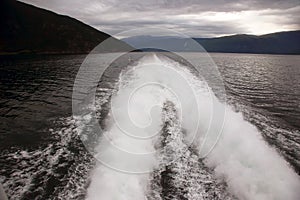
(183, 177)
(161, 122)
(156, 133)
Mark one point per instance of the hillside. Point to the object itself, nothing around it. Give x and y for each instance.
(31, 30)
(274, 43)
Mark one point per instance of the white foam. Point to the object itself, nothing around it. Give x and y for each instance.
(252, 169)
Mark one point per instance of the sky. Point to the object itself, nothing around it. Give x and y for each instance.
(195, 18)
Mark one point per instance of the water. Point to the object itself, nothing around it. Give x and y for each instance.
(42, 156)
(33, 93)
(270, 82)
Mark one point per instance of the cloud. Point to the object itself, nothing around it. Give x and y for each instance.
(193, 17)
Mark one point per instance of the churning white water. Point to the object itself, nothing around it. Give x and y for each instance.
(127, 150)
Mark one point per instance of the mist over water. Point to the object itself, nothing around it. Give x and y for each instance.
(241, 158)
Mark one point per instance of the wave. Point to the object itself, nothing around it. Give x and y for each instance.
(132, 164)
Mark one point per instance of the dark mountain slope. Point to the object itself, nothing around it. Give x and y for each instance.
(28, 29)
(274, 43)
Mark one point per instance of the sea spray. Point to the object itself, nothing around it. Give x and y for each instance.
(241, 158)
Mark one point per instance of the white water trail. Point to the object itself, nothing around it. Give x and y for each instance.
(251, 168)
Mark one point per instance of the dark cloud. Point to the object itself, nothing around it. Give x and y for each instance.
(193, 17)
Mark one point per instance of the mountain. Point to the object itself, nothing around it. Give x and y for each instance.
(274, 43)
(31, 30)
(28, 29)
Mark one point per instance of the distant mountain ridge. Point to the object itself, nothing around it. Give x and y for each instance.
(30, 30)
(26, 29)
(274, 43)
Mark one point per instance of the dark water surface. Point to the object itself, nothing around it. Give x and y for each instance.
(270, 82)
(34, 92)
(42, 158)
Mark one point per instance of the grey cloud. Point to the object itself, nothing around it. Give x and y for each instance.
(113, 16)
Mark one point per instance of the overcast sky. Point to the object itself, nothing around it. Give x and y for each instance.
(200, 18)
